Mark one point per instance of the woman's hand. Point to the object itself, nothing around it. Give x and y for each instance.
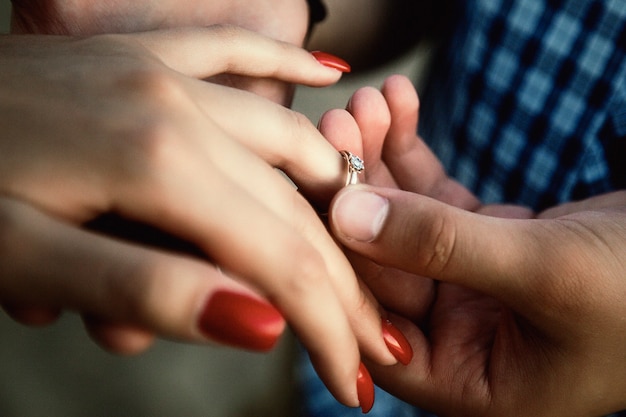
(283, 20)
(528, 313)
(121, 125)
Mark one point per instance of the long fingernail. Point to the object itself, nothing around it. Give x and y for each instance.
(365, 389)
(331, 61)
(360, 215)
(240, 320)
(397, 344)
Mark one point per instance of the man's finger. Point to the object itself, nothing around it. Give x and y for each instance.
(429, 238)
(413, 165)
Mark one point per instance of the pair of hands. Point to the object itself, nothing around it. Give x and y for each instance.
(526, 316)
(124, 125)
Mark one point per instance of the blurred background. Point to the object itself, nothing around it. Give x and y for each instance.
(58, 371)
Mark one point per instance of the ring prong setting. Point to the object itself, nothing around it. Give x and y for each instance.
(356, 166)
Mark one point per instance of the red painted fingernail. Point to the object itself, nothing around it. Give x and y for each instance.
(365, 389)
(397, 343)
(242, 321)
(331, 61)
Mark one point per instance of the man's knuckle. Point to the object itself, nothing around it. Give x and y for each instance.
(437, 245)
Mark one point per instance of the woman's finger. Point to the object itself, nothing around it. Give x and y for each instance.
(172, 295)
(291, 142)
(32, 316)
(340, 129)
(204, 52)
(167, 164)
(395, 290)
(370, 111)
(284, 254)
(118, 337)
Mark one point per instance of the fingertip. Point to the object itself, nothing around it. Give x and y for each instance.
(368, 104)
(240, 320)
(365, 389)
(402, 85)
(331, 61)
(403, 102)
(341, 130)
(341, 381)
(397, 343)
(202, 52)
(118, 338)
(358, 214)
(33, 316)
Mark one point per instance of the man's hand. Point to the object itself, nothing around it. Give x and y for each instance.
(520, 314)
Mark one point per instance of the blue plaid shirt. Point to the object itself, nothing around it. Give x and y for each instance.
(526, 104)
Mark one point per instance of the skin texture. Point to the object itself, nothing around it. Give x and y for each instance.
(284, 20)
(522, 314)
(123, 125)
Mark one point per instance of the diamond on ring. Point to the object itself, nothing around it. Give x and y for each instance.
(355, 167)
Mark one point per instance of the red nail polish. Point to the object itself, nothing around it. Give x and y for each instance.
(242, 321)
(365, 389)
(397, 343)
(331, 61)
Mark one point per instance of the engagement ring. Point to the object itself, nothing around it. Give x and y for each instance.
(355, 167)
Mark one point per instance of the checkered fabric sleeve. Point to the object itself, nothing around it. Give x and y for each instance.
(527, 103)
